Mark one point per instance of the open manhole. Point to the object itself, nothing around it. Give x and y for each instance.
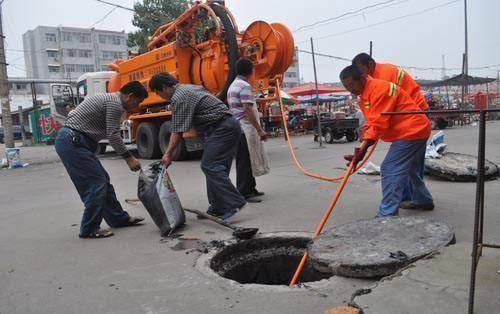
(265, 261)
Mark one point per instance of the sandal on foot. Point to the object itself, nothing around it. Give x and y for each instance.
(98, 234)
(132, 221)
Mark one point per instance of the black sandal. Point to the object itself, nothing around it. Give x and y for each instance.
(98, 234)
(132, 221)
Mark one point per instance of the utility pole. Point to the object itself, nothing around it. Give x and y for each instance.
(4, 91)
(371, 48)
(443, 68)
(320, 135)
(466, 59)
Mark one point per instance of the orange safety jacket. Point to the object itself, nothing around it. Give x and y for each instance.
(391, 73)
(382, 96)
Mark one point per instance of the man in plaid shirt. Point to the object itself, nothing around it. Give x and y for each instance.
(194, 107)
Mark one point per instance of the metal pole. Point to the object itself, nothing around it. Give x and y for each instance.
(478, 206)
(4, 92)
(466, 47)
(320, 134)
(463, 81)
(21, 124)
(371, 48)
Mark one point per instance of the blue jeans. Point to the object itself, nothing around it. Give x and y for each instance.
(408, 190)
(400, 166)
(219, 149)
(77, 153)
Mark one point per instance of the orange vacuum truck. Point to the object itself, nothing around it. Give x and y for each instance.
(201, 47)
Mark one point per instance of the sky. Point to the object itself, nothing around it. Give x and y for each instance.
(405, 32)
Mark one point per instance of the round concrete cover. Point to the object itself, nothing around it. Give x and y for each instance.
(458, 167)
(377, 247)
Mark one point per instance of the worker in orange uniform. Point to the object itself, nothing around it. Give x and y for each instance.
(394, 74)
(407, 133)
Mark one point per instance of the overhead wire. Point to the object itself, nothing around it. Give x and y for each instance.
(349, 14)
(383, 22)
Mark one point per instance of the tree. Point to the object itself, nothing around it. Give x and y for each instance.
(151, 14)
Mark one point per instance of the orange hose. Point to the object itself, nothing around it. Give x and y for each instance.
(325, 217)
(292, 153)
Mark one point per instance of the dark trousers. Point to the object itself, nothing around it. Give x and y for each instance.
(77, 152)
(245, 181)
(219, 149)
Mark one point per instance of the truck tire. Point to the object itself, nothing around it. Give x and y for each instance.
(442, 124)
(101, 150)
(147, 141)
(350, 136)
(328, 135)
(180, 153)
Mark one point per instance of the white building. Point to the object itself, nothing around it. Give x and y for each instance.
(68, 52)
(292, 75)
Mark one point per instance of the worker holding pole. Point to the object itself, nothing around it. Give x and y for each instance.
(394, 74)
(408, 135)
(193, 106)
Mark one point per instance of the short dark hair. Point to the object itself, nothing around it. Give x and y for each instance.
(158, 81)
(244, 67)
(135, 88)
(351, 71)
(363, 58)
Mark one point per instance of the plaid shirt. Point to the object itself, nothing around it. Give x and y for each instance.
(193, 106)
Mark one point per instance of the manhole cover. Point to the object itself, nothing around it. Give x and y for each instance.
(377, 247)
(266, 261)
(459, 167)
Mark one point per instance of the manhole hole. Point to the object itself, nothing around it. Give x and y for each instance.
(266, 261)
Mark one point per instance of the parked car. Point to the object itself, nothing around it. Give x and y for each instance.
(16, 129)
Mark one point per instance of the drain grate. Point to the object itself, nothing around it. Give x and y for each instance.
(266, 261)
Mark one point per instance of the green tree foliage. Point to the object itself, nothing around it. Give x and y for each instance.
(151, 14)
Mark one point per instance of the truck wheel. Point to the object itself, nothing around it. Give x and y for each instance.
(102, 148)
(442, 124)
(350, 136)
(180, 153)
(147, 141)
(328, 135)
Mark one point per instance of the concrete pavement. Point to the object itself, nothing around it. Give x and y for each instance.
(45, 268)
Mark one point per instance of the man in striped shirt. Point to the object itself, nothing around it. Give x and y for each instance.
(242, 103)
(194, 107)
(96, 118)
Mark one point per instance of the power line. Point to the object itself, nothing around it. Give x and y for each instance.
(386, 21)
(104, 17)
(334, 19)
(492, 66)
(116, 5)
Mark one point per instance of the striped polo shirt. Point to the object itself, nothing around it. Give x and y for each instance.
(239, 93)
(99, 117)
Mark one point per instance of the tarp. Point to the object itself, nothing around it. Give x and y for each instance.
(310, 89)
(458, 80)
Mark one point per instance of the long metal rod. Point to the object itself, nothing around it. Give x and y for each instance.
(440, 112)
(477, 211)
(320, 134)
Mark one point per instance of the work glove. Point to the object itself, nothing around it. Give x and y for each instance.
(358, 156)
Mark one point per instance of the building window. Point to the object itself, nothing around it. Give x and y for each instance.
(54, 69)
(78, 68)
(112, 55)
(84, 37)
(104, 68)
(67, 36)
(50, 37)
(85, 53)
(52, 54)
(102, 39)
(71, 53)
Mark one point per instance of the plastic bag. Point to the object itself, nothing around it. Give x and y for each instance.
(158, 195)
(13, 157)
